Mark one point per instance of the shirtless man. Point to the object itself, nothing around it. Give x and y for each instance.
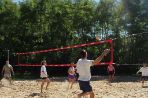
(6, 71)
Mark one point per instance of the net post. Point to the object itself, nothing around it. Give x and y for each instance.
(112, 50)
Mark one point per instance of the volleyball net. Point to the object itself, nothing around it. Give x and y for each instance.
(64, 56)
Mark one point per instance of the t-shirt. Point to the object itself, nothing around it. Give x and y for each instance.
(110, 68)
(144, 71)
(83, 69)
(43, 72)
(7, 69)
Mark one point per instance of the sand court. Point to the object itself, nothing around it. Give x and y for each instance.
(123, 87)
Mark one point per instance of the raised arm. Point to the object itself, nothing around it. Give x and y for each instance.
(97, 60)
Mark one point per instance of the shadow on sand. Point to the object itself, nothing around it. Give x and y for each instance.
(94, 78)
(117, 78)
(145, 87)
(35, 94)
(100, 78)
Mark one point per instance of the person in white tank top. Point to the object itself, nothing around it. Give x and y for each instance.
(44, 75)
(71, 75)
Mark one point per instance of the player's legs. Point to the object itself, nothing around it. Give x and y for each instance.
(142, 81)
(109, 80)
(48, 82)
(8, 77)
(10, 80)
(86, 88)
(42, 85)
(112, 77)
(86, 93)
(69, 82)
(72, 82)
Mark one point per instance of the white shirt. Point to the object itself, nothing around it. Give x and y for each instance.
(144, 71)
(7, 69)
(83, 69)
(43, 72)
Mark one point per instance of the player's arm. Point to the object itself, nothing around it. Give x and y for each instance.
(69, 71)
(107, 70)
(139, 71)
(12, 70)
(114, 70)
(3, 70)
(97, 60)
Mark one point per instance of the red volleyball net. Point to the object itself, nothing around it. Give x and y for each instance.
(65, 55)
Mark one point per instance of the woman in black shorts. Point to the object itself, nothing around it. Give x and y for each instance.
(111, 72)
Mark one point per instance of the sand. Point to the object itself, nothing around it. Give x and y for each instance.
(122, 87)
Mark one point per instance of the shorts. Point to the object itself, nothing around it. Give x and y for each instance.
(85, 86)
(7, 75)
(144, 77)
(111, 72)
(44, 78)
(71, 76)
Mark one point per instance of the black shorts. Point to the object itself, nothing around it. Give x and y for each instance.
(111, 72)
(85, 86)
(44, 78)
(144, 77)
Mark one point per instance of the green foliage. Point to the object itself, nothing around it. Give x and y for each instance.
(41, 24)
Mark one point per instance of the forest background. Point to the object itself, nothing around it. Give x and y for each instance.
(32, 25)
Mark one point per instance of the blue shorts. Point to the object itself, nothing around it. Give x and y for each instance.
(85, 86)
(44, 78)
(111, 72)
